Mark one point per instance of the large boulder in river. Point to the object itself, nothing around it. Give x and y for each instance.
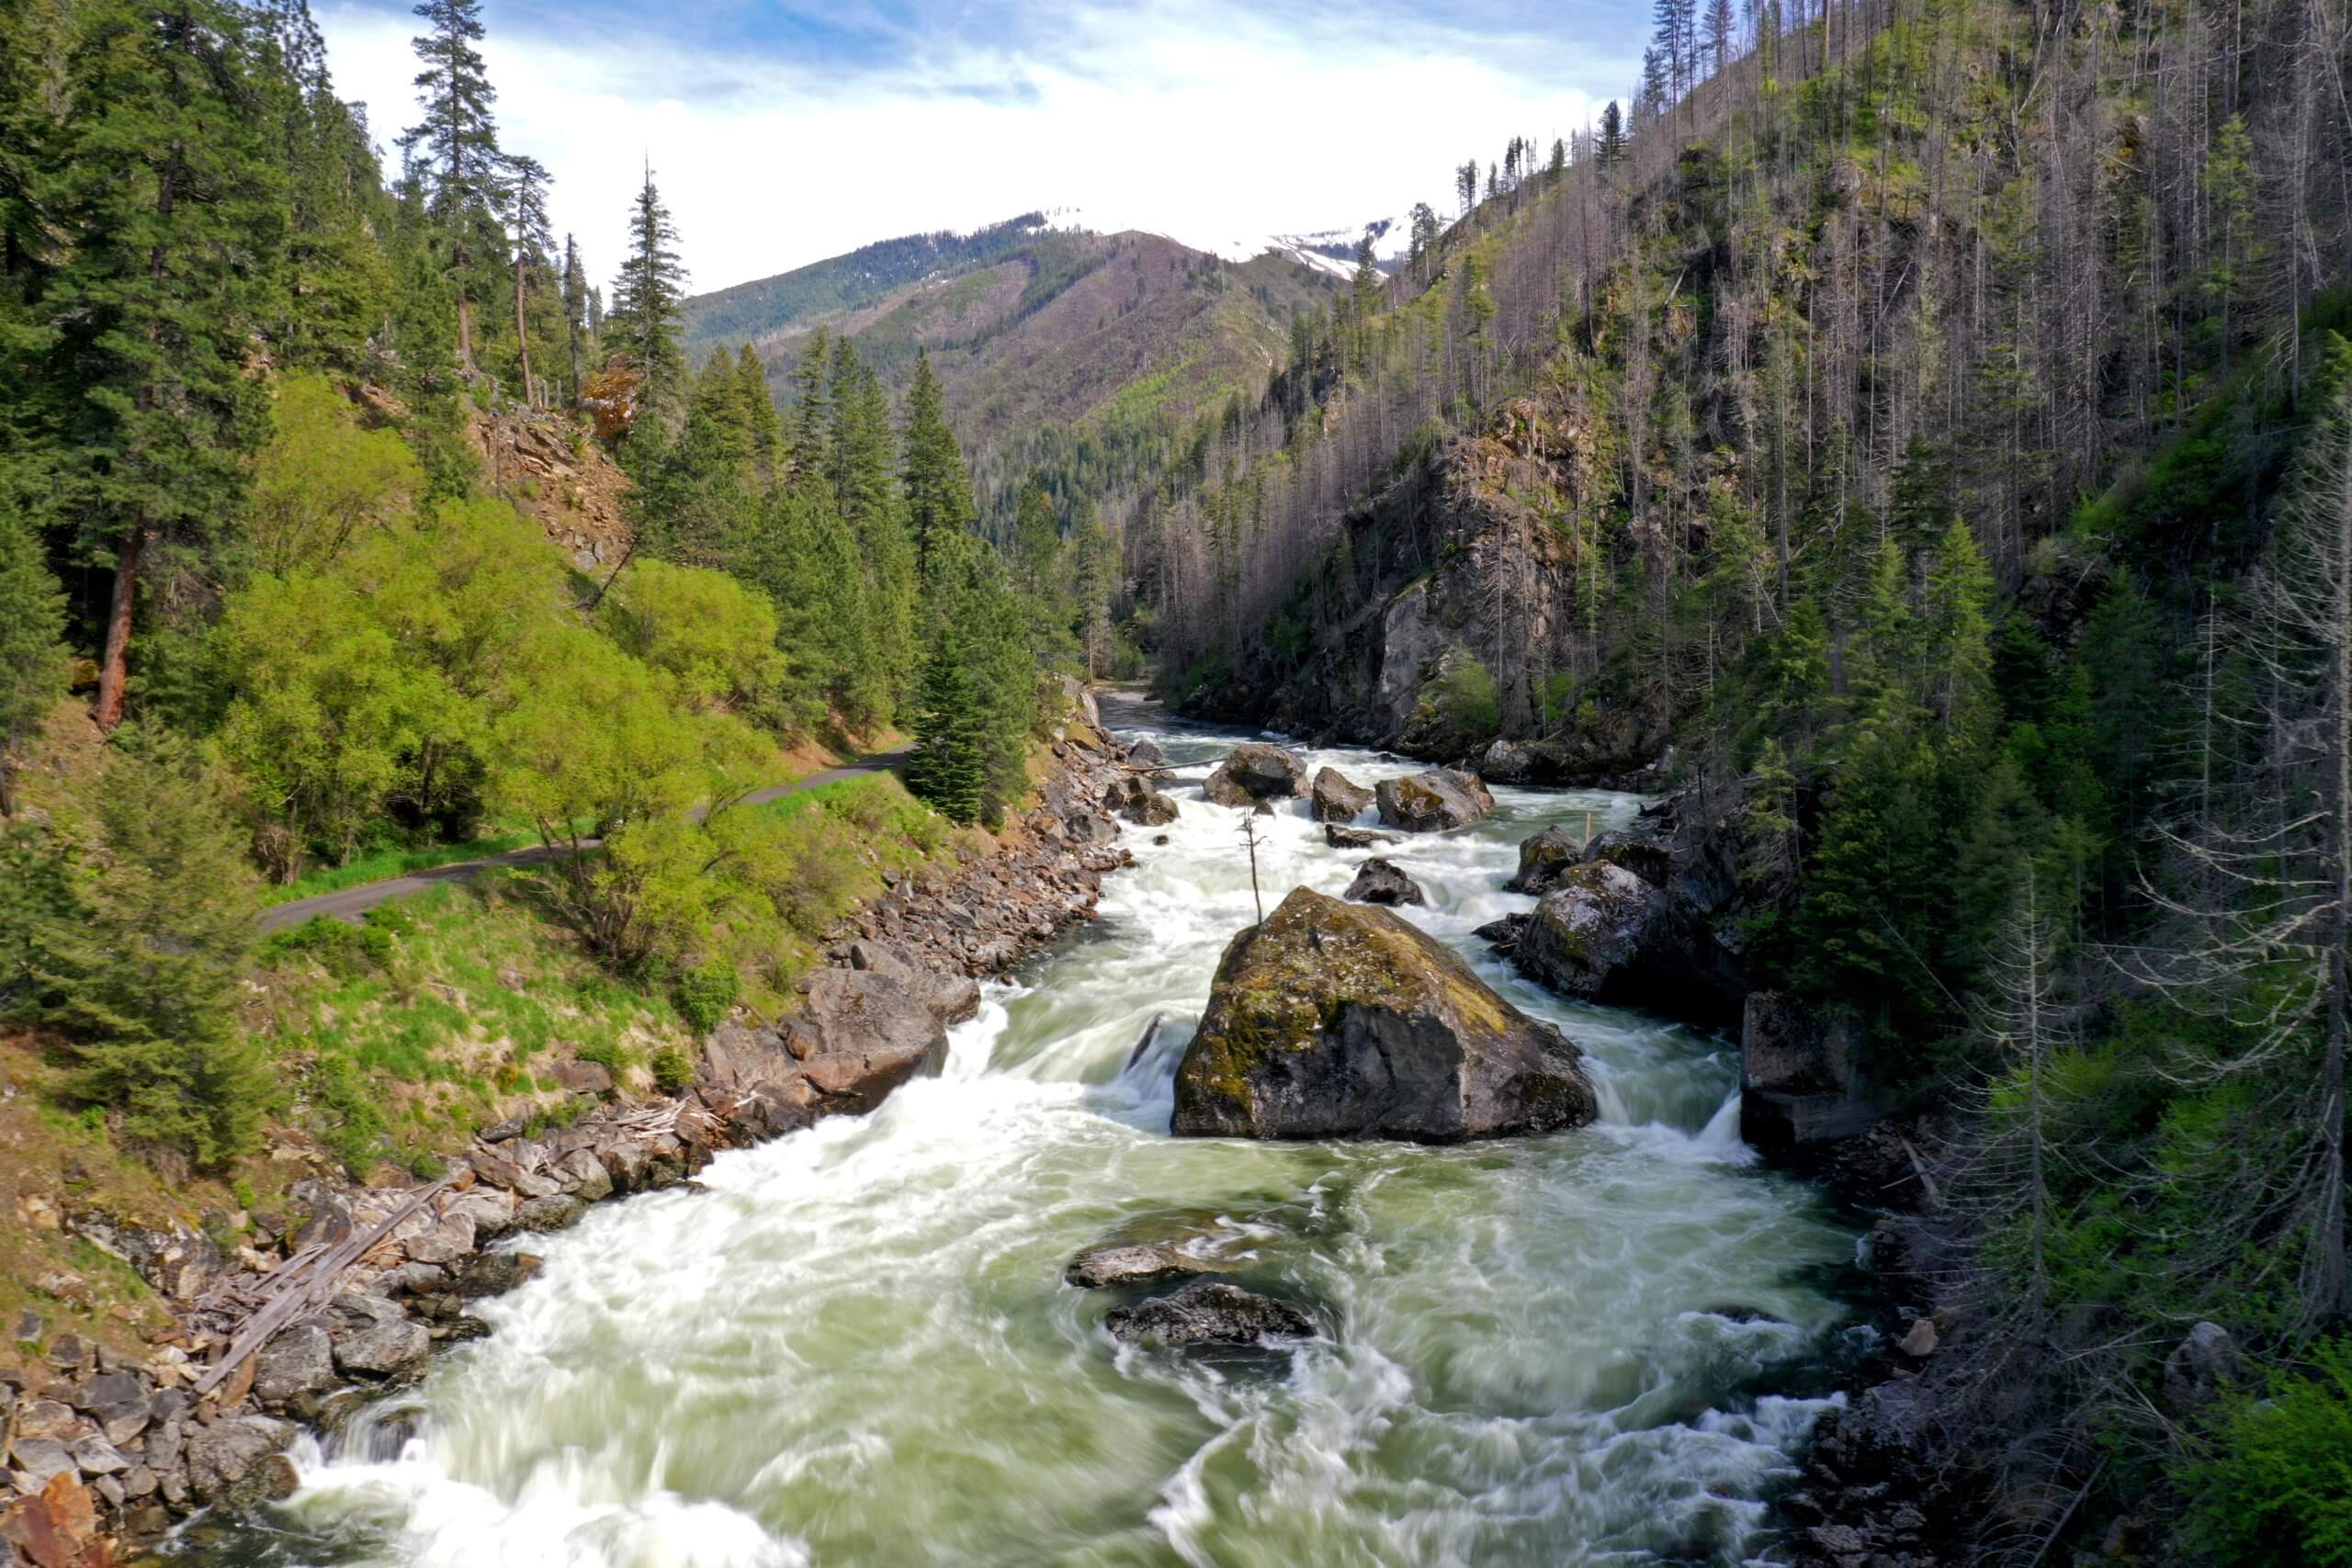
(1429, 801)
(1208, 1312)
(1543, 860)
(1587, 936)
(1338, 798)
(1256, 771)
(1379, 882)
(1338, 1020)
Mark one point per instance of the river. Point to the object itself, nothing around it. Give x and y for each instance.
(854, 1346)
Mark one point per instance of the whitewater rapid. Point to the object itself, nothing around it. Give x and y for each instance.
(855, 1345)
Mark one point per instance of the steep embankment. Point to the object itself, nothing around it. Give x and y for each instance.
(294, 1315)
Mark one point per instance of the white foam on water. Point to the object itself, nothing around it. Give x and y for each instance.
(854, 1346)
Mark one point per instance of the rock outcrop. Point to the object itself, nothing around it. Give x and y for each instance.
(1590, 935)
(1543, 859)
(1208, 1312)
(1800, 1077)
(1378, 882)
(1335, 1020)
(1434, 801)
(1337, 797)
(1256, 773)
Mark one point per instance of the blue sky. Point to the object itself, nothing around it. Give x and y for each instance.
(783, 132)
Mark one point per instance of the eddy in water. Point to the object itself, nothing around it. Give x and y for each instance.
(857, 1347)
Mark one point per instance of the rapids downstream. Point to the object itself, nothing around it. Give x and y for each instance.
(855, 1348)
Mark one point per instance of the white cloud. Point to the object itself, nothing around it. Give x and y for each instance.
(1207, 124)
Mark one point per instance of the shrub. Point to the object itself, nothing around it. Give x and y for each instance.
(1466, 702)
(674, 1069)
(2277, 1488)
(703, 995)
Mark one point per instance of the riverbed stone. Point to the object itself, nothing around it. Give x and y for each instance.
(1256, 771)
(1132, 1263)
(1340, 838)
(1337, 797)
(1588, 933)
(1543, 859)
(1435, 801)
(1380, 881)
(1336, 1020)
(295, 1366)
(1208, 1312)
(228, 1461)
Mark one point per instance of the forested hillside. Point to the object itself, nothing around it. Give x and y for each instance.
(346, 529)
(1934, 420)
(1079, 362)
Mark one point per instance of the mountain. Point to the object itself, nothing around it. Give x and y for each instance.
(1333, 251)
(1042, 338)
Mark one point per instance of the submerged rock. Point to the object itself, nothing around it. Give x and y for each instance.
(1340, 838)
(1335, 1020)
(1208, 1312)
(1132, 1263)
(1378, 882)
(1254, 772)
(1338, 798)
(1434, 801)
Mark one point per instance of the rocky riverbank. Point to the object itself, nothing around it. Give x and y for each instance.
(323, 1313)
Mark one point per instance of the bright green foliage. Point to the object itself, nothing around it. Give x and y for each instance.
(2275, 1487)
(320, 480)
(713, 637)
(371, 688)
(32, 656)
(144, 965)
(1466, 702)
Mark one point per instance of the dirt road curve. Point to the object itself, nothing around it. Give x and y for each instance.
(349, 903)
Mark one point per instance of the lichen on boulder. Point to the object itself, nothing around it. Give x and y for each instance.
(1433, 801)
(1255, 773)
(1342, 1020)
(1338, 798)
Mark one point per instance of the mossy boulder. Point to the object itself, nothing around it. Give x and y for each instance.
(1434, 801)
(1342, 1021)
(1591, 936)
(1256, 771)
(1543, 860)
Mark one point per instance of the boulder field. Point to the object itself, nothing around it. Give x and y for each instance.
(1336, 1020)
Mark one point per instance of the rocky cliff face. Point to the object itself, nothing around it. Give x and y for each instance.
(1481, 553)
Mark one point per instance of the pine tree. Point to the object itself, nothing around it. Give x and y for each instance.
(534, 246)
(170, 217)
(939, 492)
(32, 652)
(949, 767)
(575, 311)
(644, 321)
(760, 416)
(454, 147)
